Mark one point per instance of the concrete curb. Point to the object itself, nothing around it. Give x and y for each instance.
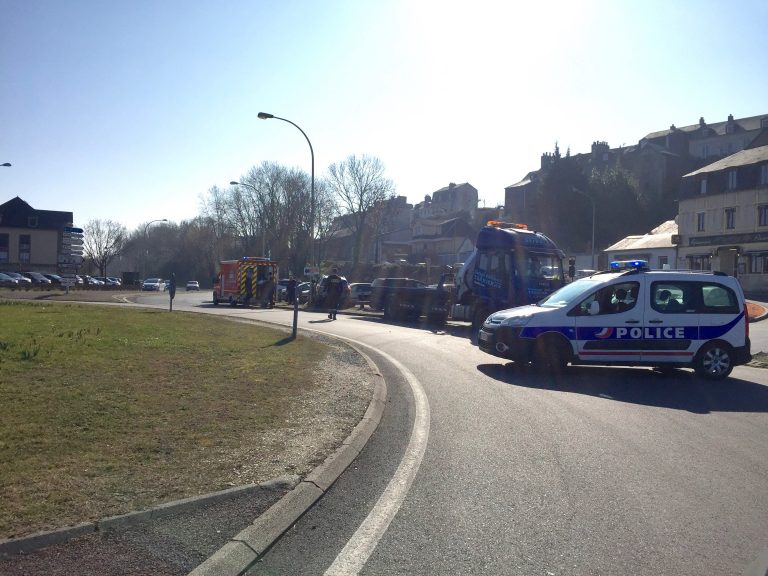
(237, 556)
(25, 544)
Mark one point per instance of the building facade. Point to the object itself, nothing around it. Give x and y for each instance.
(723, 216)
(30, 239)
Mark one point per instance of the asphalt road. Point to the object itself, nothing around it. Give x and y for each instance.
(601, 471)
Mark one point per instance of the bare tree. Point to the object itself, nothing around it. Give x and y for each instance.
(103, 240)
(361, 187)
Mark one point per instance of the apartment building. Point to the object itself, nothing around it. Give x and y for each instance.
(723, 216)
(30, 239)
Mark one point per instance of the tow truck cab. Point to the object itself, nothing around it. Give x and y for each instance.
(510, 266)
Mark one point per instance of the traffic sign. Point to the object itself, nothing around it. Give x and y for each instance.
(68, 282)
(68, 268)
(72, 229)
(70, 259)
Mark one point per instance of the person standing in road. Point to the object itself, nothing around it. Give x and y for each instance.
(333, 293)
(290, 290)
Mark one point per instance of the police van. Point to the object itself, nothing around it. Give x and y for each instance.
(632, 316)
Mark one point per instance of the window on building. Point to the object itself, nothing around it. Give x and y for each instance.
(700, 217)
(704, 150)
(730, 218)
(703, 186)
(663, 261)
(764, 174)
(4, 256)
(762, 215)
(758, 263)
(25, 248)
(764, 122)
(732, 180)
(699, 263)
(32, 221)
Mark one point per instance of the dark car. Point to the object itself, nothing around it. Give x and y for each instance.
(9, 281)
(23, 280)
(54, 278)
(37, 278)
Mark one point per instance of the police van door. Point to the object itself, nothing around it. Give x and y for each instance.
(609, 323)
(671, 322)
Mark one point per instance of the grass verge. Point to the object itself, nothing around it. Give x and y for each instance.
(107, 410)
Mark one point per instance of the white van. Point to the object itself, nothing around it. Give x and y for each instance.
(630, 316)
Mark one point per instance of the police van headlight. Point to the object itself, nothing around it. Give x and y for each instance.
(516, 321)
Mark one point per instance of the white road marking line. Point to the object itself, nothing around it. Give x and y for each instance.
(363, 542)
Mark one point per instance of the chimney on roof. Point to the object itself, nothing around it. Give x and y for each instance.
(730, 117)
(673, 127)
(452, 185)
(701, 122)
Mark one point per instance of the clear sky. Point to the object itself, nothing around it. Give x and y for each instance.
(132, 110)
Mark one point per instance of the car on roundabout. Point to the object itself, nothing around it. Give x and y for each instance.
(193, 285)
(629, 316)
(153, 284)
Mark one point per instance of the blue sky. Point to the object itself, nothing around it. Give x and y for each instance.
(131, 111)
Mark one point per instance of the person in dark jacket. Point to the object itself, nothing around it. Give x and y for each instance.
(334, 288)
(290, 290)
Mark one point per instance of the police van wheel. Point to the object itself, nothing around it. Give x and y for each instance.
(551, 354)
(714, 361)
(215, 299)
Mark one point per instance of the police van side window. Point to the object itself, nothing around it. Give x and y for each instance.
(718, 299)
(674, 297)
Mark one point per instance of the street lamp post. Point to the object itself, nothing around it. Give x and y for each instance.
(263, 226)
(593, 222)
(146, 246)
(266, 116)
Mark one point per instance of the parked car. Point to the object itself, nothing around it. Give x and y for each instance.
(54, 278)
(23, 280)
(153, 284)
(359, 293)
(9, 281)
(193, 285)
(281, 290)
(583, 273)
(91, 281)
(108, 281)
(37, 278)
(303, 289)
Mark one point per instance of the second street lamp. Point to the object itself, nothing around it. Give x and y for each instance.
(263, 226)
(593, 222)
(267, 116)
(146, 246)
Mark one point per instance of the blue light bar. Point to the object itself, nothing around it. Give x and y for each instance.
(618, 265)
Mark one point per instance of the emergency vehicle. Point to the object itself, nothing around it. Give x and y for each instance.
(629, 315)
(245, 281)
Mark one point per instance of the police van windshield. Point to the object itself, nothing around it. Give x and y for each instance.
(568, 294)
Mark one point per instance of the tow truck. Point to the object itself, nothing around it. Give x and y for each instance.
(510, 266)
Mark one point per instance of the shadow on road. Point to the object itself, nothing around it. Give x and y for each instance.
(678, 390)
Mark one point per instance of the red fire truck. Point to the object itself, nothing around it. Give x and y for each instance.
(249, 280)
